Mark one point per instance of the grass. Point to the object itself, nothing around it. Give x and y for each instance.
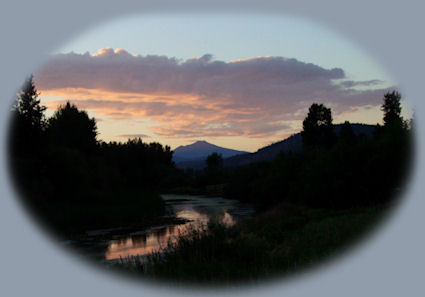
(285, 240)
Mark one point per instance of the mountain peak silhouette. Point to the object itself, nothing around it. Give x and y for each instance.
(200, 150)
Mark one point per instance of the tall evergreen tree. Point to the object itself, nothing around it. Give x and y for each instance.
(28, 105)
(28, 121)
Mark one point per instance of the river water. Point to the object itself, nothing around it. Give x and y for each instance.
(191, 212)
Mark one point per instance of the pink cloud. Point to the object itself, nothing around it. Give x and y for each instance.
(254, 97)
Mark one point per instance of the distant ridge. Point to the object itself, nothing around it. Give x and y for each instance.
(292, 143)
(194, 155)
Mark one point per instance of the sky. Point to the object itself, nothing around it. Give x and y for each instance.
(238, 81)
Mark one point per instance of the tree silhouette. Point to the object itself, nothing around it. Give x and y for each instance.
(214, 162)
(28, 105)
(28, 117)
(317, 127)
(347, 134)
(72, 128)
(392, 110)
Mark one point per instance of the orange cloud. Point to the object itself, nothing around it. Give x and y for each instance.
(349, 111)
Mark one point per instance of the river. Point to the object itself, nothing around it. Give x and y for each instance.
(189, 210)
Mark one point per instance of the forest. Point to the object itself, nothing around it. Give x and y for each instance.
(73, 180)
(333, 170)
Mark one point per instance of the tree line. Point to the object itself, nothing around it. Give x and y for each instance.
(333, 170)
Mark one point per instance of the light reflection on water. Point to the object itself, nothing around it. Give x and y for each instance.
(196, 210)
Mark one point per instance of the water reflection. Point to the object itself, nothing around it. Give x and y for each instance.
(196, 211)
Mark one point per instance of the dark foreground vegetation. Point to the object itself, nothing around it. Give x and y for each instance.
(311, 202)
(277, 242)
(75, 182)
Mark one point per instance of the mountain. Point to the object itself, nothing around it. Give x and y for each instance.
(194, 155)
(292, 143)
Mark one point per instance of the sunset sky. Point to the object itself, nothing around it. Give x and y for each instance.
(240, 82)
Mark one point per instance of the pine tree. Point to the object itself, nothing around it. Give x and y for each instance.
(28, 106)
(28, 121)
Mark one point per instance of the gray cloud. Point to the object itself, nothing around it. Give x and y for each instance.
(119, 71)
(367, 83)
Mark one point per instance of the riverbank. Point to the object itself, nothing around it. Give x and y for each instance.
(129, 208)
(216, 190)
(276, 242)
(182, 213)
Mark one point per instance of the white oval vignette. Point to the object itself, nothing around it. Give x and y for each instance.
(388, 264)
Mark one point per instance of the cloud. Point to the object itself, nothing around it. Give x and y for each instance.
(133, 136)
(367, 83)
(254, 97)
